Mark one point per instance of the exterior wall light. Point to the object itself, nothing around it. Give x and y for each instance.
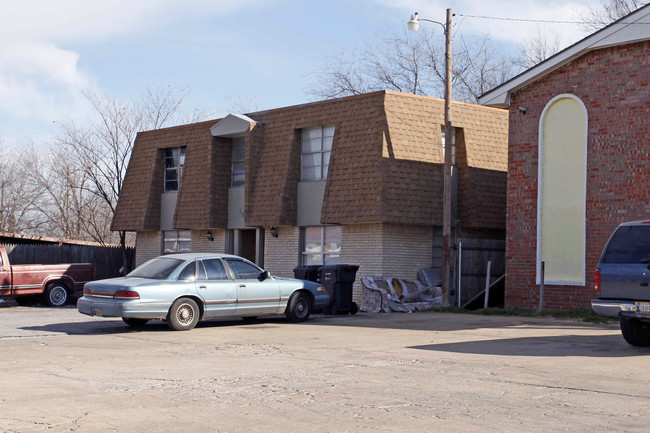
(274, 232)
(209, 236)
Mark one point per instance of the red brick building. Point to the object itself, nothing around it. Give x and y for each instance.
(578, 160)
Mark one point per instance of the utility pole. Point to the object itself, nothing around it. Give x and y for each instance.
(446, 204)
(414, 25)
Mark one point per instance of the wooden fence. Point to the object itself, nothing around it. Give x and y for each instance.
(106, 261)
(475, 254)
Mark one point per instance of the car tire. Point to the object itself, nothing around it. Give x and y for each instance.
(183, 315)
(635, 332)
(299, 307)
(56, 295)
(354, 309)
(134, 323)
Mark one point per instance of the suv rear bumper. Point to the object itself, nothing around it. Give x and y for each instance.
(612, 307)
(617, 308)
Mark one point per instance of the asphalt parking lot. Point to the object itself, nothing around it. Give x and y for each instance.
(63, 372)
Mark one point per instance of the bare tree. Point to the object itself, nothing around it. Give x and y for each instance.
(100, 149)
(66, 206)
(537, 47)
(609, 11)
(414, 65)
(18, 197)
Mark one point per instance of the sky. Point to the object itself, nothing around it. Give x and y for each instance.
(230, 53)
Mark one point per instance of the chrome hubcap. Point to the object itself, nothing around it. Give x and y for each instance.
(58, 295)
(185, 314)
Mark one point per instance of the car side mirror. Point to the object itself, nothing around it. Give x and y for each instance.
(264, 275)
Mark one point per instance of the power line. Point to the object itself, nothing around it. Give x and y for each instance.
(532, 21)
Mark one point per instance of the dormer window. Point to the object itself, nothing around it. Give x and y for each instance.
(316, 150)
(174, 162)
(238, 161)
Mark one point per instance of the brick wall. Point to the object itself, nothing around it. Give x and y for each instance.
(386, 250)
(406, 249)
(361, 245)
(201, 244)
(613, 84)
(147, 246)
(281, 254)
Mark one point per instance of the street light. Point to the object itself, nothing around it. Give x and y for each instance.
(414, 25)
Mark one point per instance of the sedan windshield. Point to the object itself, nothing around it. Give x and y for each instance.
(157, 269)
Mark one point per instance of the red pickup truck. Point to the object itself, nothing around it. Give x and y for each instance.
(55, 283)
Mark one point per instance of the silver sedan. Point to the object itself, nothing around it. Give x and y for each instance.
(185, 288)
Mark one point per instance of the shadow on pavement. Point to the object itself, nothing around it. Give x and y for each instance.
(116, 326)
(445, 322)
(599, 346)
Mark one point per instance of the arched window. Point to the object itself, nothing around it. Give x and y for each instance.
(561, 196)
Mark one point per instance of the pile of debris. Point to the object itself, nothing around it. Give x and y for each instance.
(398, 294)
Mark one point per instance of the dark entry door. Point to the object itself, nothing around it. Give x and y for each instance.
(248, 240)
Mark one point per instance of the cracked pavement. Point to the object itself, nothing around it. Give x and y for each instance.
(65, 372)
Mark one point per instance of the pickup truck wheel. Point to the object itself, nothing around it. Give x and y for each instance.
(56, 295)
(299, 308)
(183, 315)
(635, 332)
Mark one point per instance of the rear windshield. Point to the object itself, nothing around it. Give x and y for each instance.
(630, 244)
(157, 269)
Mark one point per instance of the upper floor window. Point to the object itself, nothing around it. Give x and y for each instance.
(238, 161)
(174, 162)
(316, 150)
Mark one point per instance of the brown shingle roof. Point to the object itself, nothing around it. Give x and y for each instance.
(386, 166)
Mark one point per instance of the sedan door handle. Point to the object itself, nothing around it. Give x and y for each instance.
(202, 287)
(242, 286)
(644, 284)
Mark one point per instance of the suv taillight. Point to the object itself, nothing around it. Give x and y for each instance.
(126, 294)
(86, 292)
(597, 280)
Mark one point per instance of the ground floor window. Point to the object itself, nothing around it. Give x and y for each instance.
(321, 245)
(177, 241)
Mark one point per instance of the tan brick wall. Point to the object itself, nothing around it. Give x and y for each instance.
(147, 246)
(385, 250)
(406, 250)
(201, 244)
(361, 246)
(282, 254)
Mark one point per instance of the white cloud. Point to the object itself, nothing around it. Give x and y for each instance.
(39, 79)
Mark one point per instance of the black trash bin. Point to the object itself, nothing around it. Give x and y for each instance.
(307, 272)
(338, 280)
